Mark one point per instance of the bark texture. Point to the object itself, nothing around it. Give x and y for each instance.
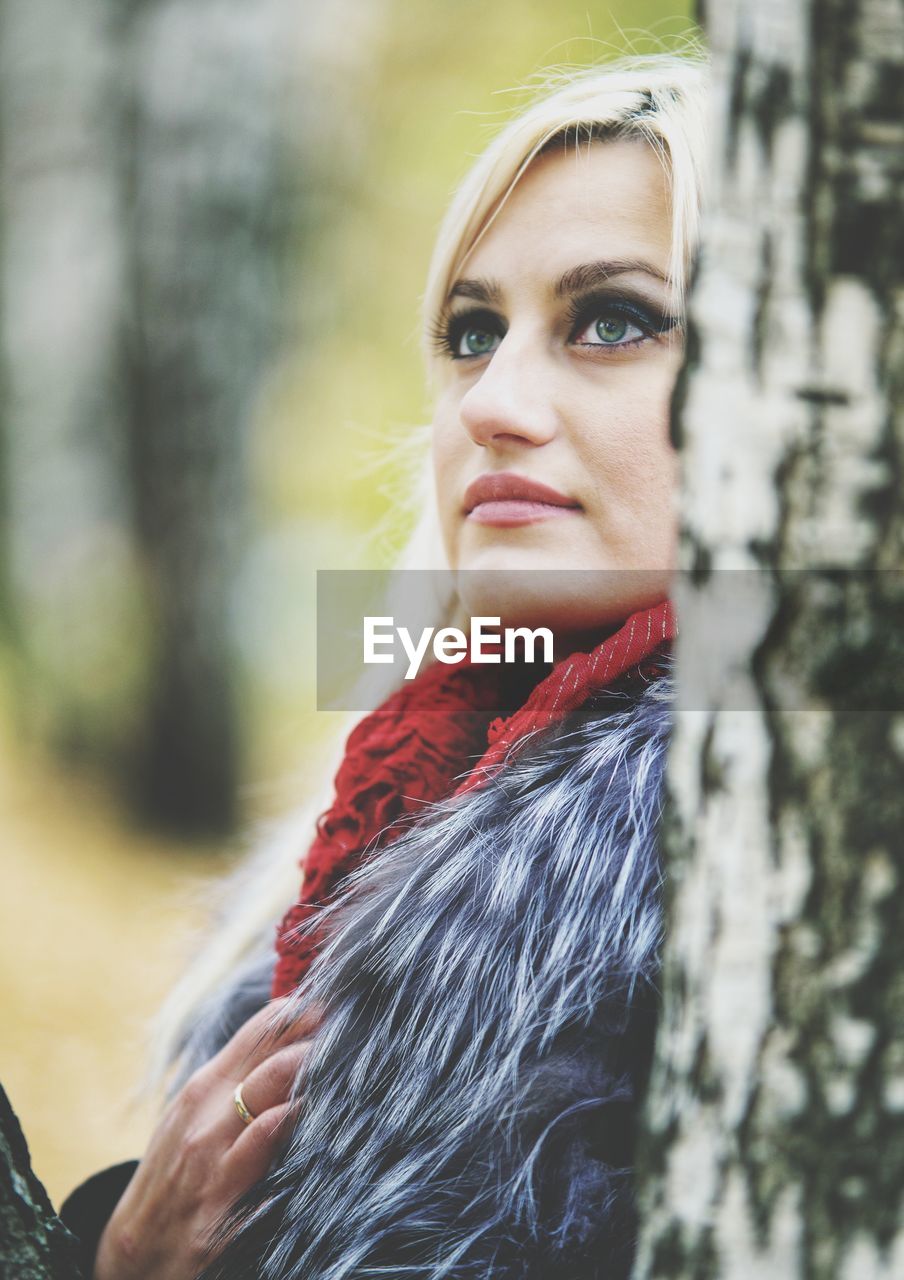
(775, 1140)
(34, 1244)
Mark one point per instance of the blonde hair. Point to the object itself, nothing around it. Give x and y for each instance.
(659, 98)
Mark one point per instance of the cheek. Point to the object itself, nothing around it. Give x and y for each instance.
(634, 472)
(628, 450)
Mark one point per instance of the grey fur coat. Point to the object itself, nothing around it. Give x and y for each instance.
(468, 1108)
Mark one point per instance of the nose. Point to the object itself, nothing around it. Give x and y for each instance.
(512, 400)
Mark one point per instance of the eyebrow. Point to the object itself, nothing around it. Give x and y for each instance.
(593, 273)
(575, 280)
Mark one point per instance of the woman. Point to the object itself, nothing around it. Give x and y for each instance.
(447, 1084)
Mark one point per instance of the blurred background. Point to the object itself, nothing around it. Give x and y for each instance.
(215, 224)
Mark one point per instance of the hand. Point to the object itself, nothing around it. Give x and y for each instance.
(203, 1156)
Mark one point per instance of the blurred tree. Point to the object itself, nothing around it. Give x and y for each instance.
(142, 221)
(71, 598)
(776, 1139)
(207, 214)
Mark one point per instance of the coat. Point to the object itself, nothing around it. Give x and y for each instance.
(488, 988)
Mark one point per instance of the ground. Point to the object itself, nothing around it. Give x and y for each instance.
(96, 919)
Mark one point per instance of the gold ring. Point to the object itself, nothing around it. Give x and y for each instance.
(246, 1116)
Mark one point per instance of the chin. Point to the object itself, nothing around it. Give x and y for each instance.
(566, 599)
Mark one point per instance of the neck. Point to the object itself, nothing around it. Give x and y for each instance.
(566, 643)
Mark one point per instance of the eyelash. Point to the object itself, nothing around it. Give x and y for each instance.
(446, 334)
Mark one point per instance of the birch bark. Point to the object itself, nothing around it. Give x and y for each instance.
(775, 1142)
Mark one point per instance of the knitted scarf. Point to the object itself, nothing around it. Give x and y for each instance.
(440, 729)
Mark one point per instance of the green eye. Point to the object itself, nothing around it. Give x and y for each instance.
(478, 342)
(611, 328)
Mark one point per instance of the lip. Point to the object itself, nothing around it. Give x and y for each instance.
(505, 498)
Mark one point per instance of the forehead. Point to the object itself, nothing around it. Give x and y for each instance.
(606, 199)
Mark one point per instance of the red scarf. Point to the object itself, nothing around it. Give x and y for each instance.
(437, 730)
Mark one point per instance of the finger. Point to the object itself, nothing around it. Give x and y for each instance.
(252, 1153)
(268, 1030)
(271, 1082)
(284, 1031)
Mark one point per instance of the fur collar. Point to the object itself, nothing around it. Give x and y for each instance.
(489, 982)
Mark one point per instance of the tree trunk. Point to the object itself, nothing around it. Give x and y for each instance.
(140, 250)
(69, 575)
(775, 1125)
(34, 1244)
(207, 214)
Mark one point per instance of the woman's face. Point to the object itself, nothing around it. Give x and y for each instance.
(557, 355)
